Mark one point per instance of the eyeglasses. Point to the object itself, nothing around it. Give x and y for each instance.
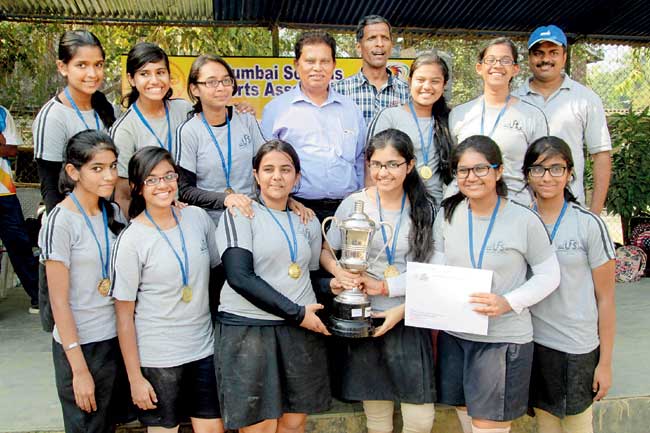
(479, 170)
(213, 84)
(390, 165)
(539, 170)
(168, 178)
(503, 61)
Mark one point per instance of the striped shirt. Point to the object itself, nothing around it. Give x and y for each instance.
(370, 101)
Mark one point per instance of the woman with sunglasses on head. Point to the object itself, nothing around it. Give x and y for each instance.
(160, 270)
(152, 116)
(270, 360)
(75, 247)
(573, 327)
(481, 228)
(511, 122)
(425, 119)
(396, 364)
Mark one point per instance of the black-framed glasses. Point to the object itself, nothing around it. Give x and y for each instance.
(168, 178)
(214, 83)
(503, 61)
(556, 170)
(390, 165)
(480, 170)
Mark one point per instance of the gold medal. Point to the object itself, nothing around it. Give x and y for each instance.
(391, 271)
(295, 271)
(104, 286)
(186, 295)
(426, 172)
(229, 191)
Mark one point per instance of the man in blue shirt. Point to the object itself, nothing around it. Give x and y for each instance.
(326, 129)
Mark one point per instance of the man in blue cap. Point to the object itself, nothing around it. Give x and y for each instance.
(574, 112)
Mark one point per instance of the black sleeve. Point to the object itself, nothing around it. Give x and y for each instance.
(320, 281)
(48, 174)
(189, 193)
(241, 276)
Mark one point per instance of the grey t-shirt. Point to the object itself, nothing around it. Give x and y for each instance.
(521, 124)
(196, 152)
(53, 126)
(401, 119)
(169, 332)
(567, 320)
(271, 258)
(576, 114)
(130, 134)
(376, 269)
(66, 238)
(518, 240)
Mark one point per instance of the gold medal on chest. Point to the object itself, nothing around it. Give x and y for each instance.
(295, 271)
(391, 271)
(186, 294)
(425, 172)
(104, 286)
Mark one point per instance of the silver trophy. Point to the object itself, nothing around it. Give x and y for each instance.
(351, 311)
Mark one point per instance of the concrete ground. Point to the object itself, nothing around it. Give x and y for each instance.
(28, 400)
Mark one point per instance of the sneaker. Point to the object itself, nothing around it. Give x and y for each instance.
(34, 309)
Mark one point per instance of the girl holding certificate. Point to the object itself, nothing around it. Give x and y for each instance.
(573, 327)
(75, 247)
(397, 363)
(267, 341)
(487, 376)
(152, 116)
(425, 119)
(160, 270)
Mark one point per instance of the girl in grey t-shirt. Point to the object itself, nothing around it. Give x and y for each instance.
(160, 270)
(481, 228)
(75, 246)
(573, 327)
(396, 364)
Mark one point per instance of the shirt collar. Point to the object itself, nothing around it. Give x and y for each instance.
(298, 96)
(567, 83)
(361, 77)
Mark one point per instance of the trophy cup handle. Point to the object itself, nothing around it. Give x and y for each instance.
(388, 240)
(322, 229)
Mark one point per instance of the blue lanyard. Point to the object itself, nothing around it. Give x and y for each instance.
(185, 269)
(76, 109)
(103, 258)
(499, 116)
(226, 166)
(293, 249)
(425, 147)
(487, 234)
(390, 252)
(559, 219)
(148, 126)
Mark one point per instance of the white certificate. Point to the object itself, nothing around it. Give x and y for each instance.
(437, 297)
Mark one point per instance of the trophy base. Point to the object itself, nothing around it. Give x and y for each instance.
(350, 328)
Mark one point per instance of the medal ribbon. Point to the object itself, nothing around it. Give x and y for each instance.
(559, 219)
(103, 258)
(226, 166)
(185, 269)
(499, 116)
(293, 249)
(78, 111)
(148, 126)
(425, 148)
(487, 234)
(390, 252)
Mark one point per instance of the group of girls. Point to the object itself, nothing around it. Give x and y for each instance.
(130, 302)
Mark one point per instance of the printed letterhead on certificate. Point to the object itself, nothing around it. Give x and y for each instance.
(437, 297)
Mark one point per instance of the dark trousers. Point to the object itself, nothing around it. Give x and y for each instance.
(13, 233)
(323, 208)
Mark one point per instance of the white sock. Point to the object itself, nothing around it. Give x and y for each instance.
(465, 420)
(490, 430)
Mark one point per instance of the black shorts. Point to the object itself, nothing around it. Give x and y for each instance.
(266, 371)
(561, 383)
(491, 379)
(397, 366)
(188, 390)
(112, 393)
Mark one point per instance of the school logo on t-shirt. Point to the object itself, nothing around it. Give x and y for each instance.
(245, 141)
(496, 247)
(204, 246)
(512, 124)
(568, 246)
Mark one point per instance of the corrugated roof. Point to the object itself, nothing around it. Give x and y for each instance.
(627, 20)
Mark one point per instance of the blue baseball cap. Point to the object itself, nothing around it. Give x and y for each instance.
(551, 33)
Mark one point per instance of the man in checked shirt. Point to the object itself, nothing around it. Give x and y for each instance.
(374, 87)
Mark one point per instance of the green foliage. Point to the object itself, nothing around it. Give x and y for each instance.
(629, 191)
